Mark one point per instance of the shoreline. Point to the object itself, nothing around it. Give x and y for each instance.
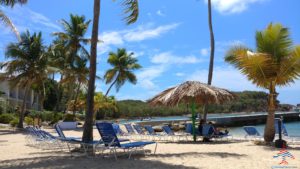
(228, 120)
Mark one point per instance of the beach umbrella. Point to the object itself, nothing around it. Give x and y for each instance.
(193, 92)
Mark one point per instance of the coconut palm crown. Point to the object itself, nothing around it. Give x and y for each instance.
(28, 65)
(123, 66)
(276, 62)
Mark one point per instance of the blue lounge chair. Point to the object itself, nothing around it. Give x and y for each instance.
(252, 132)
(152, 133)
(283, 129)
(62, 136)
(285, 132)
(112, 142)
(172, 134)
(209, 131)
(77, 140)
(129, 129)
(118, 130)
(189, 128)
(138, 128)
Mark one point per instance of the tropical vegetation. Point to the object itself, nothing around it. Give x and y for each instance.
(131, 14)
(123, 66)
(275, 62)
(5, 19)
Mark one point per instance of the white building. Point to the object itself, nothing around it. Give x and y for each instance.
(14, 97)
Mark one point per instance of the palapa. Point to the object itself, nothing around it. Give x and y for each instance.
(192, 91)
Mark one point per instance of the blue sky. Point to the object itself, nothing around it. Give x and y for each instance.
(170, 39)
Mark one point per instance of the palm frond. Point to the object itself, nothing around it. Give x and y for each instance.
(7, 22)
(131, 11)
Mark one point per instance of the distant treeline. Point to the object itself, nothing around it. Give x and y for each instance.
(247, 101)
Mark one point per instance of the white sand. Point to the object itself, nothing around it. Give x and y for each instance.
(15, 154)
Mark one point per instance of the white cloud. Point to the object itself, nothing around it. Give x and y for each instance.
(137, 54)
(112, 38)
(225, 77)
(25, 18)
(142, 33)
(160, 13)
(232, 6)
(179, 74)
(169, 58)
(41, 19)
(204, 51)
(147, 75)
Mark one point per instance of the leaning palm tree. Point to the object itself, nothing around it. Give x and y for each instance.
(123, 66)
(131, 11)
(27, 67)
(276, 62)
(5, 19)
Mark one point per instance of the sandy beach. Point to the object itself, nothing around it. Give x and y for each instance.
(15, 154)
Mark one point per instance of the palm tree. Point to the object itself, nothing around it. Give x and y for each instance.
(131, 11)
(212, 54)
(68, 52)
(5, 19)
(27, 67)
(276, 62)
(123, 65)
(73, 38)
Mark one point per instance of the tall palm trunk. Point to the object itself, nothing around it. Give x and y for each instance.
(113, 83)
(212, 54)
(23, 108)
(270, 128)
(75, 99)
(88, 125)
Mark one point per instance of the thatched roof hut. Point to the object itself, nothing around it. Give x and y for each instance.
(192, 91)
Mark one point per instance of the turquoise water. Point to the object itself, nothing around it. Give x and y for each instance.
(293, 129)
(210, 116)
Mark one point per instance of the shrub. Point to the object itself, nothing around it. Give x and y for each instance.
(6, 118)
(14, 122)
(69, 117)
(28, 121)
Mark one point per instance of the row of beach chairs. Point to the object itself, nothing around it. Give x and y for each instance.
(109, 141)
(147, 132)
(254, 134)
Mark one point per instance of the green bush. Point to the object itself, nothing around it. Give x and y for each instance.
(6, 118)
(28, 121)
(14, 122)
(69, 117)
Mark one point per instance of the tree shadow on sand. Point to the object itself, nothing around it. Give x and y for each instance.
(202, 154)
(8, 132)
(201, 142)
(58, 162)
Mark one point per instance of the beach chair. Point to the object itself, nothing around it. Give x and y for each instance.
(138, 128)
(119, 131)
(189, 129)
(252, 132)
(209, 131)
(169, 132)
(77, 140)
(129, 129)
(62, 136)
(112, 142)
(152, 133)
(283, 129)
